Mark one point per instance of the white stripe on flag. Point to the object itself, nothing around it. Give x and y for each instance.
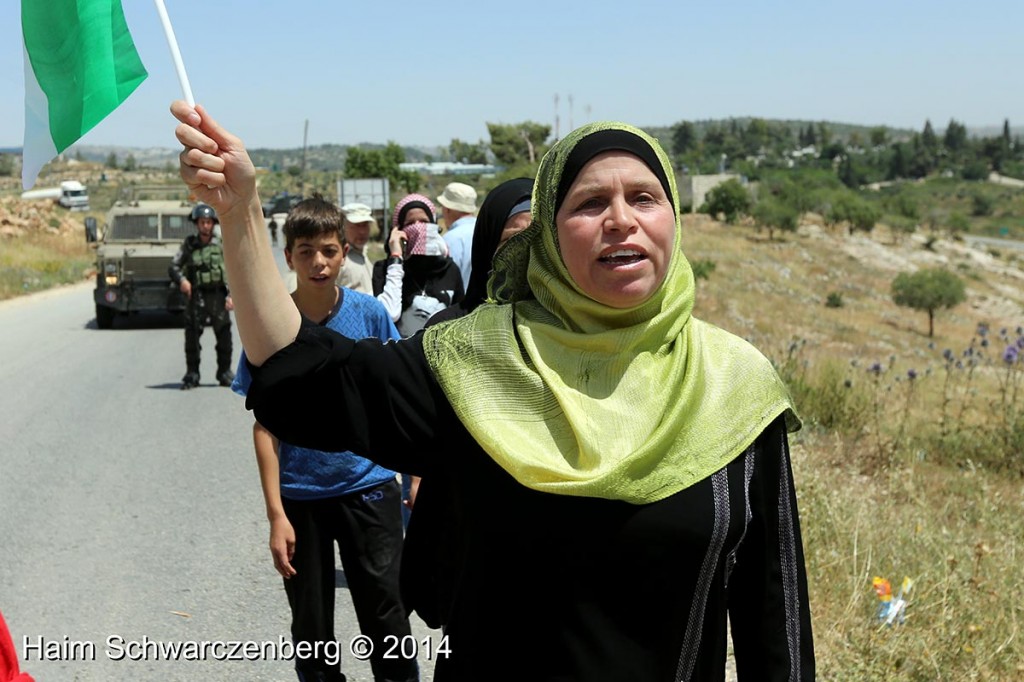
(38, 147)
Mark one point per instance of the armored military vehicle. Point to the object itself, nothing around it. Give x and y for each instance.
(138, 242)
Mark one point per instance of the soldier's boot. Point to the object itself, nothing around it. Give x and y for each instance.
(190, 380)
(225, 377)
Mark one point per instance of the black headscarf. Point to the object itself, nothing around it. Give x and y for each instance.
(490, 222)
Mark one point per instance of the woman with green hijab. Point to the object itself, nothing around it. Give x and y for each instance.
(619, 470)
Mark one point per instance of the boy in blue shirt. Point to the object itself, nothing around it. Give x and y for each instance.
(315, 498)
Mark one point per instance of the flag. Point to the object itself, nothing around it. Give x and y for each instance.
(80, 65)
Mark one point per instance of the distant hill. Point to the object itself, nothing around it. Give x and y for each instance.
(841, 132)
(331, 157)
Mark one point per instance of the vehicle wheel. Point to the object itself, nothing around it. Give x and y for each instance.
(105, 317)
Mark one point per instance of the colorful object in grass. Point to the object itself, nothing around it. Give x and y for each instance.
(892, 610)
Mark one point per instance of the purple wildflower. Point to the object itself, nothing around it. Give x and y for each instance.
(911, 374)
(876, 368)
(948, 355)
(1010, 355)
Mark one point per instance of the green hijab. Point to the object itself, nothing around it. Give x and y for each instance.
(574, 397)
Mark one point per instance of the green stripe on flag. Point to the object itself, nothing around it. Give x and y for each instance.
(84, 61)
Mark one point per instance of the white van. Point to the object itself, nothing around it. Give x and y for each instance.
(74, 196)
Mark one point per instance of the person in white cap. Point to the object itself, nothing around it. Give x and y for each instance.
(357, 271)
(458, 206)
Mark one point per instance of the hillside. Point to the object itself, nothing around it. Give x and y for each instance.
(331, 157)
(911, 456)
(793, 275)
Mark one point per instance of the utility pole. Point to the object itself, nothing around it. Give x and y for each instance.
(557, 133)
(302, 175)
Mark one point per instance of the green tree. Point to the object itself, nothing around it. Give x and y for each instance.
(6, 165)
(381, 163)
(955, 139)
(130, 163)
(824, 134)
(899, 166)
(775, 215)
(928, 138)
(959, 224)
(729, 198)
(928, 290)
(684, 138)
(517, 143)
(856, 212)
(849, 175)
(879, 136)
(982, 204)
(111, 160)
(975, 170)
(467, 152)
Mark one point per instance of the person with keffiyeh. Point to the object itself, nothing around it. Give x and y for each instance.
(418, 278)
(620, 469)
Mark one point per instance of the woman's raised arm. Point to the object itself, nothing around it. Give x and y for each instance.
(217, 170)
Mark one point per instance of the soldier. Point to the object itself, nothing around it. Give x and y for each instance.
(198, 270)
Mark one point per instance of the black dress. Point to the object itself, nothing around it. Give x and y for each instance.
(553, 587)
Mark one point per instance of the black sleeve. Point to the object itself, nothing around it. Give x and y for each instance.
(330, 393)
(379, 276)
(768, 605)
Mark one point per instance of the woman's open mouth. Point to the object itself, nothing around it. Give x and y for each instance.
(622, 257)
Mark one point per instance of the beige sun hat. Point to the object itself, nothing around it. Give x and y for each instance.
(357, 213)
(458, 196)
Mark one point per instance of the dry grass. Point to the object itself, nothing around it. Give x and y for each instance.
(42, 259)
(914, 477)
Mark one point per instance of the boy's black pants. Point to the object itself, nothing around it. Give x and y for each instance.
(367, 527)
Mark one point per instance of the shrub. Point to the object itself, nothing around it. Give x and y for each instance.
(702, 269)
(730, 199)
(834, 300)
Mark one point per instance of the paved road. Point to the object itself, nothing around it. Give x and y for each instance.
(979, 242)
(130, 509)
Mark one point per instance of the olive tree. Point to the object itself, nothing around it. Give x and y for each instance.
(776, 215)
(729, 198)
(928, 290)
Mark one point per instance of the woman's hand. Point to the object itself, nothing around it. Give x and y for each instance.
(214, 163)
(396, 243)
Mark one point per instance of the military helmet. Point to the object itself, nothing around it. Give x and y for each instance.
(203, 211)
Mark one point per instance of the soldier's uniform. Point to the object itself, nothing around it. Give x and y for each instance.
(203, 266)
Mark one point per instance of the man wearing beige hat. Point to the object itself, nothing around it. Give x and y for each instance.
(357, 270)
(458, 206)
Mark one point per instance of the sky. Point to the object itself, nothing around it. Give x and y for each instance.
(423, 73)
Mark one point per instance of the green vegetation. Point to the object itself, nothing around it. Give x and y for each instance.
(381, 163)
(41, 261)
(729, 199)
(928, 290)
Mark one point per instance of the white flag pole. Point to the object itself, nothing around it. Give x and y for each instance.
(172, 42)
